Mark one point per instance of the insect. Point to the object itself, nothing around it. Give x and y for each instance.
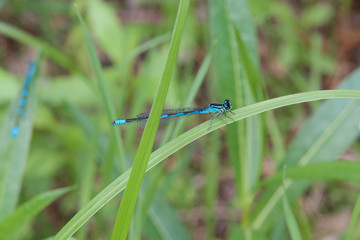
(22, 101)
(217, 108)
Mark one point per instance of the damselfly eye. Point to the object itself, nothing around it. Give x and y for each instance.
(227, 104)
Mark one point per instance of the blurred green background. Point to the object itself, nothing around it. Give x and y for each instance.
(296, 46)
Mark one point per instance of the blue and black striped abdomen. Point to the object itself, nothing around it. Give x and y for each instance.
(180, 112)
(23, 98)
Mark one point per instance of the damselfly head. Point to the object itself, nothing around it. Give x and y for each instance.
(227, 104)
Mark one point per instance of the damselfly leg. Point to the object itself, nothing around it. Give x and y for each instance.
(217, 115)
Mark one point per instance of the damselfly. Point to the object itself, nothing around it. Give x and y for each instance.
(217, 108)
(22, 101)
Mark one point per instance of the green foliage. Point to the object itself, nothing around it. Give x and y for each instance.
(147, 140)
(104, 22)
(354, 218)
(13, 151)
(289, 216)
(326, 135)
(14, 222)
(107, 60)
(178, 143)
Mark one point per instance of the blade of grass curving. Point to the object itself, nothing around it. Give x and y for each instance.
(186, 138)
(146, 144)
(96, 66)
(289, 216)
(25, 38)
(354, 217)
(13, 223)
(329, 132)
(14, 150)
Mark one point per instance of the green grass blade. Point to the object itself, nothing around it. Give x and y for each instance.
(251, 72)
(88, 160)
(174, 145)
(165, 220)
(249, 58)
(212, 148)
(107, 29)
(122, 68)
(146, 144)
(88, 177)
(324, 171)
(237, 232)
(234, 83)
(241, 18)
(289, 216)
(158, 174)
(14, 151)
(253, 134)
(82, 119)
(96, 66)
(225, 69)
(200, 76)
(12, 224)
(25, 38)
(354, 218)
(223, 16)
(325, 136)
(146, 46)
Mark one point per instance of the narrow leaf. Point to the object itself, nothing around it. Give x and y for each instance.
(289, 216)
(334, 170)
(146, 144)
(166, 221)
(234, 84)
(13, 223)
(328, 133)
(25, 38)
(15, 142)
(186, 138)
(107, 29)
(354, 218)
(96, 66)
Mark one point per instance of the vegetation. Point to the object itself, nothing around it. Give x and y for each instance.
(282, 169)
